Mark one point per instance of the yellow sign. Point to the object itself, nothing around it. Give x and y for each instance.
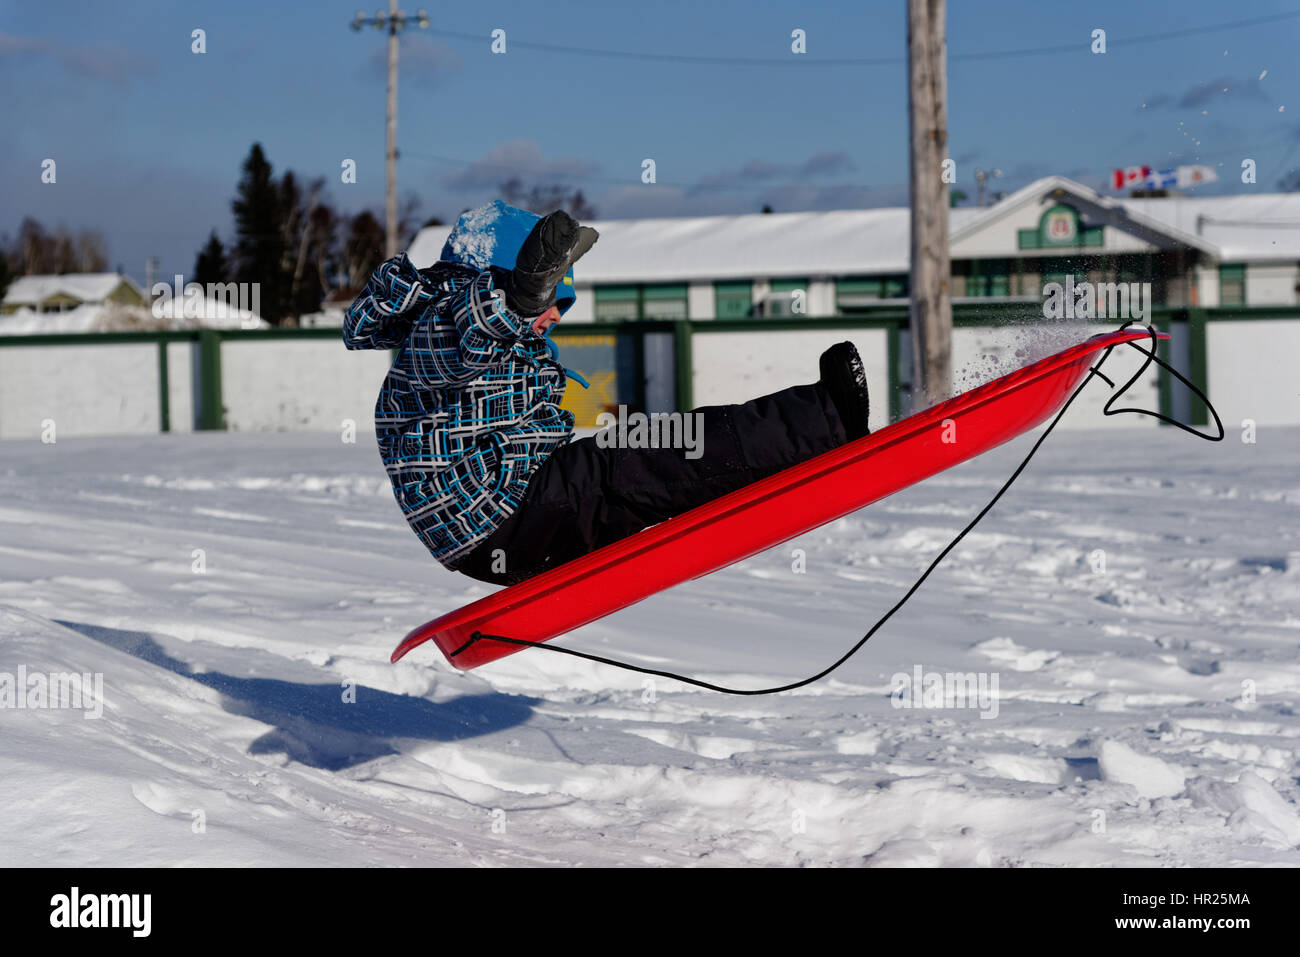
(592, 356)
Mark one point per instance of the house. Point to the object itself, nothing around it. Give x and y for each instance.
(49, 294)
(1209, 252)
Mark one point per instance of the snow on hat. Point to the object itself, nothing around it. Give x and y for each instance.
(492, 235)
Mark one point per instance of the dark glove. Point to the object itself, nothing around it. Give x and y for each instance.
(551, 249)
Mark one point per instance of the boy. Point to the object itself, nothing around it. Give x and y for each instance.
(469, 422)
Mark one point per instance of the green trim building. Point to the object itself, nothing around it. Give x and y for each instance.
(1240, 250)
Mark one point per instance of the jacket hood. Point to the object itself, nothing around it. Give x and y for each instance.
(492, 235)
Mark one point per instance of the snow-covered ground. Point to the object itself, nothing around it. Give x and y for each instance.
(97, 317)
(1136, 597)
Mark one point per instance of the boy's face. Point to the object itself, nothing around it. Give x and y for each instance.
(547, 319)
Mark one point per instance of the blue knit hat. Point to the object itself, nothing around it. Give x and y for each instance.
(492, 235)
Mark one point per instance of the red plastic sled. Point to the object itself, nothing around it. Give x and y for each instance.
(765, 514)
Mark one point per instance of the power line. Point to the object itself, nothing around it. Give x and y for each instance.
(507, 169)
(515, 169)
(1127, 41)
(804, 60)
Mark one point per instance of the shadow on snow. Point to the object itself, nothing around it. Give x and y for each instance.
(312, 724)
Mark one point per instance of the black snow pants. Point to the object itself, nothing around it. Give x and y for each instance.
(584, 497)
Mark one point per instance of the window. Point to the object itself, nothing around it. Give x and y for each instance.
(1025, 278)
(663, 302)
(618, 303)
(866, 291)
(733, 300)
(788, 298)
(1232, 285)
(988, 277)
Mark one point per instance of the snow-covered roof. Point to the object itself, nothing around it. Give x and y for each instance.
(87, 287)
(835, 243)
(1242, 228)
(875, 241)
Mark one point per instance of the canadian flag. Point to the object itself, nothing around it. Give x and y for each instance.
(1129, 175)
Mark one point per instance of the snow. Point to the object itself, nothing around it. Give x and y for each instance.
(1136, 594)
(84, 318)
(209, 312)
(91, 317)
(89, 287)
(1149, 776)
(708, 248)
(474, 240)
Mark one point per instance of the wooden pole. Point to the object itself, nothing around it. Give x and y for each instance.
(390, 200)
(931, 304)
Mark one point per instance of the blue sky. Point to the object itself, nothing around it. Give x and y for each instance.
(149, 137)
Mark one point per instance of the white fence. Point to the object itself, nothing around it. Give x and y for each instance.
(306, 380)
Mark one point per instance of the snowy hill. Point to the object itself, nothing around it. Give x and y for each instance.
(234, 589)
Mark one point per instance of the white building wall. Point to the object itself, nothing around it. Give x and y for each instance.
(701, 303)
(1251, 372)
(82, 390)
(277, 385)
(821, 297)
(991, 241)
(181, 359)
(733, 367)
(1271, 284)
(1207, 286)
(584, 307)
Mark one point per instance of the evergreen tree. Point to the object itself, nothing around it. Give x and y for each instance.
(211, 266)
(259, 230)
(5, 276)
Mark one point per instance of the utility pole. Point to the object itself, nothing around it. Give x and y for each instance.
(981, 180)
(151, 264)
(395, 22)
(931, 305)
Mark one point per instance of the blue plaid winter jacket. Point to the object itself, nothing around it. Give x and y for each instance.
(471, 405)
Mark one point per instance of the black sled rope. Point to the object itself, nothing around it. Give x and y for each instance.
(1095, 370)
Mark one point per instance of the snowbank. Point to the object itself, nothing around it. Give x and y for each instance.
(1135, 594)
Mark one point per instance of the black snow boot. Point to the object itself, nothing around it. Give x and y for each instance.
(843, 377)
